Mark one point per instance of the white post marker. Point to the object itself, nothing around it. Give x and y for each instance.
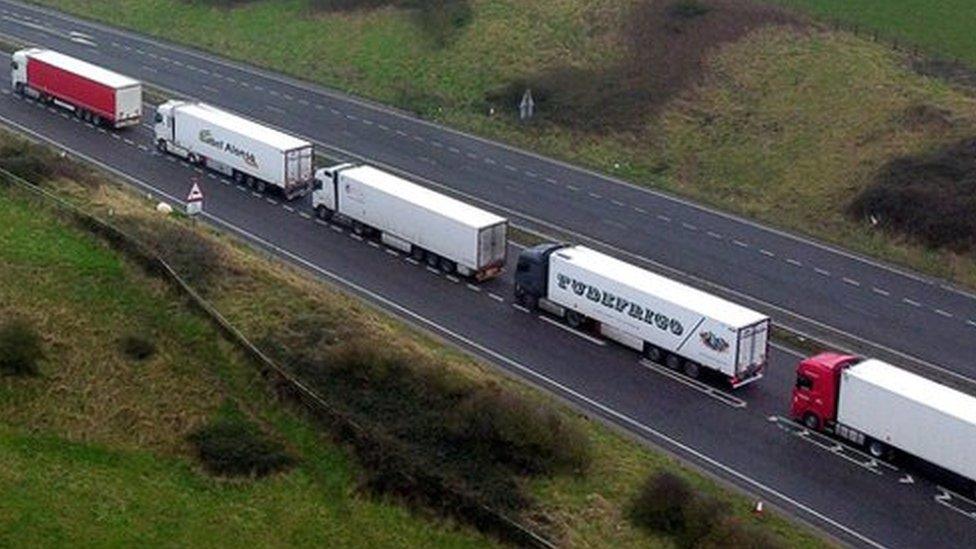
(194, 200)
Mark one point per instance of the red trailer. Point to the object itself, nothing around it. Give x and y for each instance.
(95, 94)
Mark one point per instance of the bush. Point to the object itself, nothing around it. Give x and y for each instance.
(735, 534)
(234, 447)
(192, 255)
(137, 347)
(661, 502)
(930, 198)
(702, 515)
(20, 349)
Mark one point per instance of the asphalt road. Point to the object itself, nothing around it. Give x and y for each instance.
(739, 437)
(901, 316)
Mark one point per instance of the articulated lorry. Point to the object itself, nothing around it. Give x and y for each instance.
(884, 408)
(670, 323)
(445, 233)
(94, 94)
(250, 153)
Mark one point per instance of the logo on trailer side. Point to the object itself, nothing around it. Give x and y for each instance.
(620, 304)
(206, 137)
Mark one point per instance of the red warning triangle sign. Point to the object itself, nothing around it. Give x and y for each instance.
(196, 195)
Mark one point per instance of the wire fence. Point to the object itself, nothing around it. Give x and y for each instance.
(288, 386)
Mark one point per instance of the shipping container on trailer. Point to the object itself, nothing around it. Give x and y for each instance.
(670, 323)
(444, 232)
(95, 94)
(882, 408)
(249, 152)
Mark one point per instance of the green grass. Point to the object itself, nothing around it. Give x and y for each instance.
(95, 449)
(943, 26)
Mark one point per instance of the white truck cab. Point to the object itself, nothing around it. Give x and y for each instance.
(18, 69)
(163, 127)
(324, 189)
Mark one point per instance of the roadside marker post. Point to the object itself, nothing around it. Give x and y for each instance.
(194, 200)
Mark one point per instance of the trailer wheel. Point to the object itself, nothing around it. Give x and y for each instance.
(238, 177)
(692, 369)
(323, 213)
(811, 421)
(192, 158)
(877, 449)
(97, 120)
(260, 185)
(417, 253)
(161, 145)
(673, 362)
(574, 319)
(653, 353)
(433, 259)
(447, 265)
(249, 181)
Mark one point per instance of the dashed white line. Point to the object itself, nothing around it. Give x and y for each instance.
(851, 281)
(432, 270)
(273, 108)
(411, 261)
(715, 235)
(242, 189)
(454, 150)
(572, 188)
(821, 272)
(521, 308)
(740, 243)
(640, 210)
(355, 236)
(689, 226)
(289, 209)
(394, 253)
(911, 302)
(594, 195)
(794, 262)
(336, 228)
(351, 117)
(511, 168)
(367, 122)
(437, 144)
(531, 174)
(971, 323)
(401, 133)
(474, 288)
(766, 252)
(551, 180)
(879, 291)
(452, 278)
(946, 314)
(255, 194)
(617, 203)
(321, 222)
(490, 161)
(272, 201)
(664, 218)
(496, 297)
(373, 244)
(383, 127)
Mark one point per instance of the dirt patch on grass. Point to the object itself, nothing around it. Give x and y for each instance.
(664, 44)
(929, 197)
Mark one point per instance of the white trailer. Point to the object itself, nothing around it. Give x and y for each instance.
(910, 413)
(667, 321)
(444, 232)
(251, 153)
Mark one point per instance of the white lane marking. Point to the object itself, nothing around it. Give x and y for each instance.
(496, 297)
(551, 180)
(740, 243)
(242, 189)
(474, 288)
(289, 208)
(531, 174)
(383, 127)
(525, 370)
(454, 150)
(880, 291)
(367, 122)
(594, 195)
(210, 88)
(794, 262)
(272, 201)
(640, 210)
(725, 398)
(664, 218)
(821, 272)
(336, 228)
(355, 236)
(573, 331)
(452, 278)
(304, 215)
(851, 281)
(946, 314)
(689, 226)
(411, 261)
(521, 308)
(437, 144)
(511, 168)
(273, 108)
(373, 244)
(766, 252)
(321, 222)
(143, 148)
(394, 253)
(255, 194)
(971, 322)
(572, 188)
(489, 161)
(911, 302)
(432, 270)
(471, 155)
(715, 235)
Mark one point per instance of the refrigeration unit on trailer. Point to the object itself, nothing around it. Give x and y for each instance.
(669, 322)
(249, 152)
(95, 94)
(432, 227)
(882, 407)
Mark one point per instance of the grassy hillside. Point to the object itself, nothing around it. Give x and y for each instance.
(116, 429)
(95, 449)
(944, 27)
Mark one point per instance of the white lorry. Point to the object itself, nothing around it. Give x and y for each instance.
(446, 233)
(250, 153)
(882, 407)
(670, 323)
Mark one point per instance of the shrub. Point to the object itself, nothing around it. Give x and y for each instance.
(27, 161)
(735, 534)
(20, 348)
(702, 515)
(192, 255)
(661, 502)
(930, 198)
(137, 347)
(234, 447)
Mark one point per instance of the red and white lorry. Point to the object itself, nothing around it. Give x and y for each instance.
(884, 408)
(95, 94)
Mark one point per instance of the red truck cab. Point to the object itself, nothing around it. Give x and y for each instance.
(816, 389)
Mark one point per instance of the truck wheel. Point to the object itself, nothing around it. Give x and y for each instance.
(448, 266)
(673, 362)
(877, 449)
(192, 158)
(417, 253)
(260, 185)
(358, 228)
(433, 260)
(811, 421)
(574, 319)
(250, 181)
(323, 213)
(161, 145)
(238, 177)
(19, 88)
(653, 353)
(692, 369)
(97, 120)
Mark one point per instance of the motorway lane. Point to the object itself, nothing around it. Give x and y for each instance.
(606, 380)
(802, 284)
